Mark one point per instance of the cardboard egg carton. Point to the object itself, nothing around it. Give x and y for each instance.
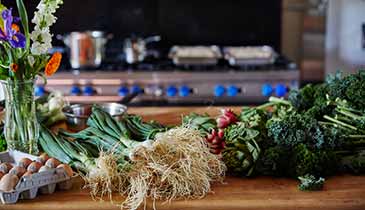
(30, 186)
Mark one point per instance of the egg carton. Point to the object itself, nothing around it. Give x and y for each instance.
(30, 186)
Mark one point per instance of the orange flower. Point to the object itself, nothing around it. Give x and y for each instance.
(53, 64)
(14, 67)
(15, 27)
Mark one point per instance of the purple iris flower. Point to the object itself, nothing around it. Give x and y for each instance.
(8, 34)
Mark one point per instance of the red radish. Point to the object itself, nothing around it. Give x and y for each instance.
(223, 145)
(214, 146)
(221, 133)
(34, 167)
(24, 162)
(5, 167)
(230, 115)
(209, 138)
(215, 151)
(17, 170)
(227, 118)
(216, 141)
(223, 122)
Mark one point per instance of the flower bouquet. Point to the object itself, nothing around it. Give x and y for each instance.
(23, 57)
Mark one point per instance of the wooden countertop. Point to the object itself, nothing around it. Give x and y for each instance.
(261, 193)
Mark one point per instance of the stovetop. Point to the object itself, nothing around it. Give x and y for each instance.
(281, 63)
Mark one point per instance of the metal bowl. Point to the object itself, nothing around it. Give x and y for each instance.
(77, 114)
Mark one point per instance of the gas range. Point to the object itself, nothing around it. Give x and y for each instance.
(162, 83)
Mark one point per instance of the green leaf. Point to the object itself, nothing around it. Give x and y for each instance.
(24, 18)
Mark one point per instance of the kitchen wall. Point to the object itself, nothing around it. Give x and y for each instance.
(228, 22)
(345, 38)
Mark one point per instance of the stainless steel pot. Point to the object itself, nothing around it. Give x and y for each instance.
(87, 49)
(78, 114)
(135, 49)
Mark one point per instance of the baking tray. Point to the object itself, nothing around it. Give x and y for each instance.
(195, 55)
(255, 55)
(29, 187)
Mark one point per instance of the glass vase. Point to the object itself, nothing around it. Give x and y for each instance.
(21, 127)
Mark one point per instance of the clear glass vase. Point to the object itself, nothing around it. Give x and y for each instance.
(21, 128)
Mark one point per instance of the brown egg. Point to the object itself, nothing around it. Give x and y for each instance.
(8, 182)
(52, 163)
(43, 157)
(24, 162)
(67, 169)
(34, 167)
(5, 167)
(1, 174)
(17, 170)
(28, 173)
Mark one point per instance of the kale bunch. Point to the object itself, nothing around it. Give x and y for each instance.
(274, 162)
(304, 98)
(350, 88)
(293, 129)
(311, 100)
(354, 163)
(312, 161)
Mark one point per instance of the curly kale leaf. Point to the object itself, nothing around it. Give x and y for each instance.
(293, 129)
(350, 88)
(354, 163)
(274, 162)
(310, 183)
(317, 162)
(304, 98)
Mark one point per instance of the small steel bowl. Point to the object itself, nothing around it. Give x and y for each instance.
(78, 114)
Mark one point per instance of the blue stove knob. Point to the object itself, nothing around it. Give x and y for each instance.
(232, 91)
(267, 90)
(39, 90)
(136, 89)
(219, 90)
(281, 90)
(184, 91)
(123, 91)
(75, 90)
(88, 91)
(171, 91)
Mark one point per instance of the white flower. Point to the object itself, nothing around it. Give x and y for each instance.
(43, 19)
(31, 60)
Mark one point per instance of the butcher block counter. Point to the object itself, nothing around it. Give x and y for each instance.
(264, 193)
